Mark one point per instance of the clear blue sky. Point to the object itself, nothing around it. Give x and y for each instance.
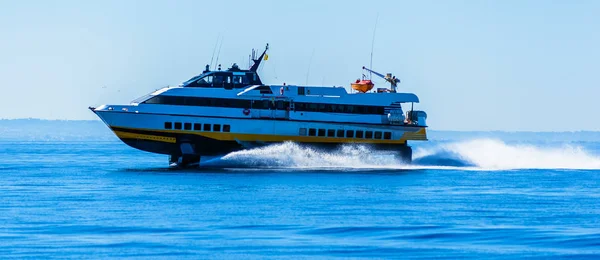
(476, 65)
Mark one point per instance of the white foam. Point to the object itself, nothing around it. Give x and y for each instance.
(480, 154)
(289, 154)
(495, 154)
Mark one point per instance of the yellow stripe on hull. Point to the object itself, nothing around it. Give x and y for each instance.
(418, 135)
(127, 135)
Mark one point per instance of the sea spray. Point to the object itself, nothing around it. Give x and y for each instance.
(492, 154)
(477, 154)
(293, 155)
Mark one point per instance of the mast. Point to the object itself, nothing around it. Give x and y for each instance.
(257, 61)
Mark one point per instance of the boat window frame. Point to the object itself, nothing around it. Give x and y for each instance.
(349, 133)
(387, 135)
(321, 132)
(360, 134)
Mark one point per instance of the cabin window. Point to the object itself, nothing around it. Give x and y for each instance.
(178, 125)
(349, 133)
(154, 100)
(322, 108)
(301, 91)
(340, 133)
(217, 128)
(331, 133)
(187, 126)
(280, 105)
(359, 134)
(265, 90)
(321, 132)
(226, 128)
(302, 131)
(312, 132)
(168, 125)
(387, 135)
(206, 127)
(197, 126)
(378, 135)
(369, 134)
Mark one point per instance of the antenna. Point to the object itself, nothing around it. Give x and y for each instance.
(219, 53)
(373, 45)
(215, 49)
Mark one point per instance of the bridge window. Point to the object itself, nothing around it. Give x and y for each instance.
(312, 132)
(369, 134)
(226, 128)
(168, 125)
(359, 134)
(240, 80)
(207, 80)
(387, 135)
(321, 132)
(206, 127)
(178, 125)
(349, 133)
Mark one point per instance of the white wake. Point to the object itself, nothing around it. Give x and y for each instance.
(479, 154)
(495, 154)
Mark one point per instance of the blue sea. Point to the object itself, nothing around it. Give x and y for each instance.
(70, 189)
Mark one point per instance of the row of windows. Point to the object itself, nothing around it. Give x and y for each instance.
(197, 127)
(346, 133)
(263, 104)
(351, 109)
(303, 131)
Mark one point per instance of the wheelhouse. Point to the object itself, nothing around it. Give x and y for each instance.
(233, 78)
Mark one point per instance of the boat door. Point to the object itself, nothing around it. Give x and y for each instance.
(278, 108)
(282, 107)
